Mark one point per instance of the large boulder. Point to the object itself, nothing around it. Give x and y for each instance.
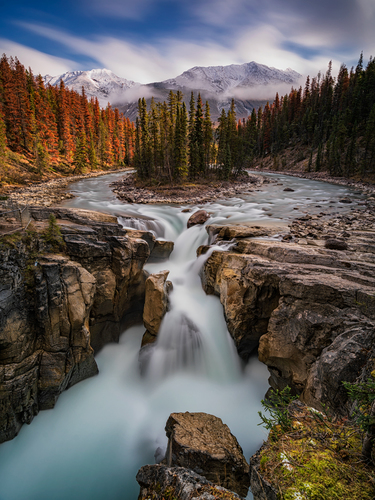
(202, 443)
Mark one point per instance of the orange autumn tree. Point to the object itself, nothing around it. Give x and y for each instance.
(57, 127)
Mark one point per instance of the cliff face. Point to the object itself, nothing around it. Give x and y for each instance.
(310, 307)
(57, 308)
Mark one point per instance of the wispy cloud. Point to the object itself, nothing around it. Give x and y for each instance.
(169, 57)
(39, 62)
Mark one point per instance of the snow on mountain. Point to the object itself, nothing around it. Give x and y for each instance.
(100, 83)
(223, 79)
(250, 84)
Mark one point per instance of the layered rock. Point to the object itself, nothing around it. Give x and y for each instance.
(202, 442)
(157, 289)
(310, 308)
(58, 308)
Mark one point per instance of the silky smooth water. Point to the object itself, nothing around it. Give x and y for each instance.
(90, 446)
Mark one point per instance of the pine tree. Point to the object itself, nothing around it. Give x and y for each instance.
(207, 138)
(180, 143)
(80, 161)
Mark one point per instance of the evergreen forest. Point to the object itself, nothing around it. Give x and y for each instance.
(329, 124)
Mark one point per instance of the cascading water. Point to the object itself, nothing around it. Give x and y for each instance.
(90, 446)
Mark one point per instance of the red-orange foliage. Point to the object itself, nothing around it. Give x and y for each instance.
(55, 119)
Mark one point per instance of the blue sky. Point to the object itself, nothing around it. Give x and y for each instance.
(152, 40)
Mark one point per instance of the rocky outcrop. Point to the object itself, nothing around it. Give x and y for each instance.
(199, 217)
(157, 289)
(58, 306)
(202, 442)
(310, 308)
(159, 482)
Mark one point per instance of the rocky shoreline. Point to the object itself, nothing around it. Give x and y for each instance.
(364, 187)
(52, 192)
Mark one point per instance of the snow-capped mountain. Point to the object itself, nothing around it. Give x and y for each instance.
(250, 84)
(100, 83)
(221, 79)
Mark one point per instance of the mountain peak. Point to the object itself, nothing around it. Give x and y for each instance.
(100, 82)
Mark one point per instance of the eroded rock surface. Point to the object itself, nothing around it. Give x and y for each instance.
(56, 309)
(310, 308)
(156, 304)
(202, 442)
(260, 487)
(159, 482)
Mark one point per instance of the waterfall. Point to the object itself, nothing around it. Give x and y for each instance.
(90, 446)
(193, 336)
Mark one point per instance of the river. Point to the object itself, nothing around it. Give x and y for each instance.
(91, 445)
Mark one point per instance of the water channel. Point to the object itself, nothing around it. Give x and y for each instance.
(91, 445)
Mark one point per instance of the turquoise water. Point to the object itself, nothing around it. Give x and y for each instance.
(91, 445)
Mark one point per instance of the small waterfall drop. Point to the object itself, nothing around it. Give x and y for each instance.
(193, 336)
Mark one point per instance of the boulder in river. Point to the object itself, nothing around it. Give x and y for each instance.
(201, 442)
(199, 217)
(156, 301)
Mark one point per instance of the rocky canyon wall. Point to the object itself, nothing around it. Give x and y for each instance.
(307, 300)
(60, 305)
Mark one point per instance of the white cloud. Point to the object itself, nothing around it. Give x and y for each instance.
(169, 57)
(38, 61)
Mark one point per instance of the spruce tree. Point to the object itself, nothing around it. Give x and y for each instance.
(80, 155)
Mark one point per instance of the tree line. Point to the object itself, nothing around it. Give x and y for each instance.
(55, 125)
(175, 144)
(333, 119)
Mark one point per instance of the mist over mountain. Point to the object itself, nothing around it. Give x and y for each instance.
(250, 85)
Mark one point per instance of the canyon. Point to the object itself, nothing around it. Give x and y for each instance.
(301, 293)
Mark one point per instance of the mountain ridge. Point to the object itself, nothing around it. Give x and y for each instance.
(250, 84)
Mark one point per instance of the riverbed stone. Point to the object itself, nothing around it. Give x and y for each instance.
(202, 443)
(161, 251)
(199, 217)
(156, 301)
